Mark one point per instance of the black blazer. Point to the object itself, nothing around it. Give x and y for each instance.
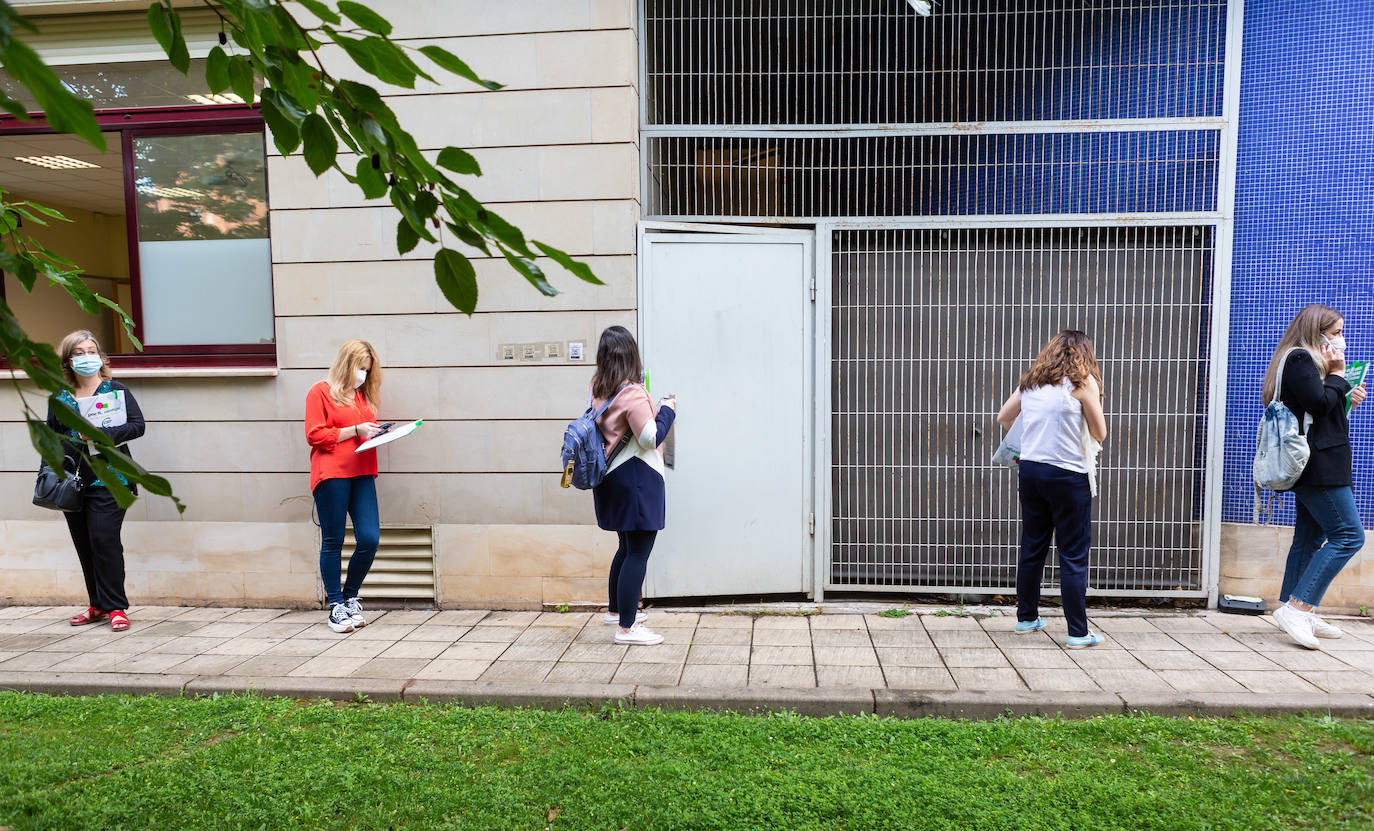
(1304, 392)
(127, 432)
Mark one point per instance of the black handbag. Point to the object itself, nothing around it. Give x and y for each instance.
(59, 494)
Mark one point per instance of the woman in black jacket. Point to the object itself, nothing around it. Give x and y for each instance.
(95, 529)
(1328, 530)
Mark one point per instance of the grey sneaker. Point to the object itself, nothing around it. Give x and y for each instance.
(355, 611)
(339, 619)
(1297, 624)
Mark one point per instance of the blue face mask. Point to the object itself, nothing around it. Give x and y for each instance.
(87, 365)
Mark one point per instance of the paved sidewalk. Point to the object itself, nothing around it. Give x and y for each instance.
(842, 661)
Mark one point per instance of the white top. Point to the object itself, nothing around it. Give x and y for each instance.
(1053, 427)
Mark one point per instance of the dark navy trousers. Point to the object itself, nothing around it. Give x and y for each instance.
(1056, 505)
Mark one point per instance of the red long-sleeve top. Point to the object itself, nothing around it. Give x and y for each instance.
(329, 457)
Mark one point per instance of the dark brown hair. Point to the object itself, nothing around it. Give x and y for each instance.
(1069, 354)
(617, 361)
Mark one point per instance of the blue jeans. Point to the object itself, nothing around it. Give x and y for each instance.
(336, 499)
(1056, 504)
(1324, 515)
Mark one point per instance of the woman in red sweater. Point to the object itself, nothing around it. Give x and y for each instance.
(340, 414)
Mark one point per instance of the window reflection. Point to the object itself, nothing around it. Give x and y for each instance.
(200, 187)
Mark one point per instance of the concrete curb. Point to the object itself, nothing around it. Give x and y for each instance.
(823, 701)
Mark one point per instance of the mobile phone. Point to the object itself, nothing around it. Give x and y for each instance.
(382, 428)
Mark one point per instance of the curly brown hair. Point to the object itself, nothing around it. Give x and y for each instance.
(1069, 354)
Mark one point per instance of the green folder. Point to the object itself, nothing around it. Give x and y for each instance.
(1354, 373)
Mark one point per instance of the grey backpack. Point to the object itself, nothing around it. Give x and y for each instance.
(1281, 450)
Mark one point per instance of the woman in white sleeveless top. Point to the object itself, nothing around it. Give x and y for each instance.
(1058, 400)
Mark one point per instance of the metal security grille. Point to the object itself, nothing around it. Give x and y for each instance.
(932, 328)
(982, 177)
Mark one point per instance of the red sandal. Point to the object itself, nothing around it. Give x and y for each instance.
(91, 615)
(119, 621)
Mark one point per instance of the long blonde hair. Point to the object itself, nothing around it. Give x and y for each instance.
(350, 358)
(68, 346)
(1305, 332)
(1069, 354)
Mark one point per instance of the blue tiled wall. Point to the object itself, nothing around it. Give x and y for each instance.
(1304, 210)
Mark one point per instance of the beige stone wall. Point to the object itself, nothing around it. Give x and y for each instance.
(560, 147)
(1252, 561)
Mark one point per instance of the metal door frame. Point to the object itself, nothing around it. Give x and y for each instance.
(684, 231)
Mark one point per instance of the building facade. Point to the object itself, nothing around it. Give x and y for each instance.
(840, 230)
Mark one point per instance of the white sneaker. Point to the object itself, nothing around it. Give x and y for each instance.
(355, 611)
(638, 636)
(613, 619)
(339, 619)
(1297, 624)
(1322, 629)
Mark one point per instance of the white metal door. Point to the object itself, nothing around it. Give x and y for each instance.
(725, 323)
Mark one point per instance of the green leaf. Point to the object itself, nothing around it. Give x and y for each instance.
(457, 279)
(370, 179)
(124, 319)
(47, 443)
(508, 234)
(242, 78)
(121, 493)
(166, 27)
(26, 274)
(320, 145)
(446, 60)
(46, 211)
(321, 11)
(365, 18)
(65, 111)
(217, 70)
(14, 107)
(466, 234)
(302, 81)
(406, 238)
(339, 130)
(582, 270)
(391, 63)
(459, 161)
(284, 132)
(406, 206)
(530, 271)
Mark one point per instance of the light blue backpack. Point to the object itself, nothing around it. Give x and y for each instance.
(584, 449)
(1281, 450)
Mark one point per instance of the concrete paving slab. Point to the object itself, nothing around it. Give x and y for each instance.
(1264, 681)
(241, 646)
(850, 656)
(291, 686)
(644, 673)
(1305, 660)
(254, 615)
(719, 654)
(307, 647)
(919, 678)
(273, 630)
(94, 683)
(351, 648)
(16, 612)
(1058, 680)
(837, 623)
(1098, 658)
(900, 637)
(1200, 680)
(1152, 641)
(722, 637)
(442, 670)
(664, 653)
(601, 653)
(18, 626)
(573, 672)
(958, 656)
(795, 622)
(415, 649)
(402, 668)
(552, 696)
(433, 632)
(479, 651)
(1358, 660)
(328, 666)
(715, 675)
(526, 671)
(1010, 641)
(308, 617)
(464, 617)
(775, 675)
(671, 620)
(1172, 660)
(147, 663)
(970, 704)
(782, 637)
(1347, 645)
(223, 629)
(1227, 661)
(207, 664)
(828, 701)
(27, 661)
(492, 634)
(381, 632)
(543, 635)
(409, 617)
(841, 638)
(850, 676)
(956, 638)
(519, 620)
(725, 622)
(1206, 642)
(1183, 624)
(878, 623)
(1241, 623)
(172, 627)
(1340, 681)
(266, 665)
(564, 620)
(903, 656)
(535, 652)
(938, 622)
(987, 678)
(27, 641)
(1122, 625)
(1041, 659)
(780, 655)
(1119, 680)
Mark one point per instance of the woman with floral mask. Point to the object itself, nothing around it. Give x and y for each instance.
(340, 414)
(1328, 530)
(96, 528)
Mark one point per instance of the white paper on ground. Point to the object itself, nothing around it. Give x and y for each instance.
(391, 435)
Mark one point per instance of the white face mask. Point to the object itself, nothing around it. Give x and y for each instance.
(359, 378)
(1337, 343)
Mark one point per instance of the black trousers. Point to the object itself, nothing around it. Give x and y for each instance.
(95, 533)
(1055, 504)
(627, 573)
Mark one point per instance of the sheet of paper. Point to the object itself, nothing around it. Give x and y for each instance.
(391, 435)
(104, 410)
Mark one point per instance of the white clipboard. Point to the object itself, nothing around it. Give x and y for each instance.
(391, 435)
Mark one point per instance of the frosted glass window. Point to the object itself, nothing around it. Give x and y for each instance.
(205, 263)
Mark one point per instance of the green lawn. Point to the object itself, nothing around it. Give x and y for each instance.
(247, 762)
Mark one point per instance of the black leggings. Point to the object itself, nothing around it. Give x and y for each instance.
(627, 573)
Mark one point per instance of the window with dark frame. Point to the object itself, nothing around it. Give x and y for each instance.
(172, 221)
